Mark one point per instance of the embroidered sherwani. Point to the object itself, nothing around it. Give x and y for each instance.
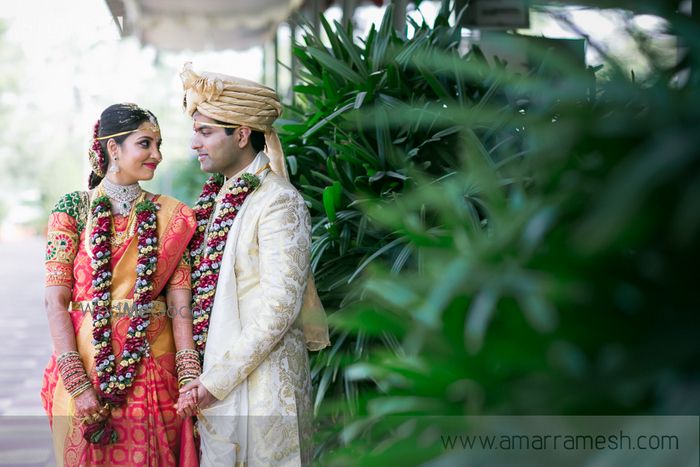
(256, 361)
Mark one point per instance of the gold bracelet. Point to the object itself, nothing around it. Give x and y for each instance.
(81, 389)
(65, 355)
(183, 381)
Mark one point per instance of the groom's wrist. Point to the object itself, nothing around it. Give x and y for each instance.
(210, 383)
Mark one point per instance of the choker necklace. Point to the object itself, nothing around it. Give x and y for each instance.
(122, 195)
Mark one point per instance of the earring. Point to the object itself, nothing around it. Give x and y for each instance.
(113, 167)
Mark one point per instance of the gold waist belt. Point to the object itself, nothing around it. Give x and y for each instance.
(123, 307)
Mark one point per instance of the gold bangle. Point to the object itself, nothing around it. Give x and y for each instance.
(65, 355)
(182, 382)
(81, 389)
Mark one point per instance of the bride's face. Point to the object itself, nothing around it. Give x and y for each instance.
(137, 156)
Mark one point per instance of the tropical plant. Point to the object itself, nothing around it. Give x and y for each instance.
(345, 157)
(494, 243)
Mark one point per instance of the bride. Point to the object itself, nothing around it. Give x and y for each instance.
(118, 304)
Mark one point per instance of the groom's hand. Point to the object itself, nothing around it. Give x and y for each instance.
(186, 405)
(197, 392)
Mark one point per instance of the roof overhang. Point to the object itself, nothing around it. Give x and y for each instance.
(205, 24)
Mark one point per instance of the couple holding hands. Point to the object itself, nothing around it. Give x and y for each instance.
(224, 379)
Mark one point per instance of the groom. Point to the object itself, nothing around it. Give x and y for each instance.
(255, 305)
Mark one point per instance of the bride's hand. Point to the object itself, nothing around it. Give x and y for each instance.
(186, 405)
(198, 393)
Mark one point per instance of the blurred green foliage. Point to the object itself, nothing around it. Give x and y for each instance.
(187, 181)
(492, 242)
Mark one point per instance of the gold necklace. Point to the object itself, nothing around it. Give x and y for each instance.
(118, 238)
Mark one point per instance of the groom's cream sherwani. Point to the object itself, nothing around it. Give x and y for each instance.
(256, 361)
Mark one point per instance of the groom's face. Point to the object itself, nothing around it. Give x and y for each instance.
(217, 152)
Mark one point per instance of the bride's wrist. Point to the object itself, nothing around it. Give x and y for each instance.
(188, 366)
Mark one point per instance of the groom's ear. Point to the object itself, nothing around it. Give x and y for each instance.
(243, 136)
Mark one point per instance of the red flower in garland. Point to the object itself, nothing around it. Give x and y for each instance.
(114, 384)
(206, 256)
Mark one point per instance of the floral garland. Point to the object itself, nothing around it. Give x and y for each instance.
(115, 383)
(206, 256)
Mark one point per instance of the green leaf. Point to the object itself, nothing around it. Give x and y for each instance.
(322, 388)
(401, 258)
(382, 40)
(330, 168)
(321, 153)
(538, 311)
(478, 317)
(336, 46)
(337, 192)
(327, 119)
(334, 65)
(345, 237)
(322, 177)
(308, 89)
(396, 294)
(329, 203)
(330, 88)
(434, 84)
(374, 255)
(317, 250)
(360, 99)
(351, 49)
(292, 162)
(361, 229)
(449, 284)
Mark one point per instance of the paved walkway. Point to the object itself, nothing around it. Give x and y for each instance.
(25, 347)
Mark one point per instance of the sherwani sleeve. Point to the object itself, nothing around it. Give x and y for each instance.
(284, 238)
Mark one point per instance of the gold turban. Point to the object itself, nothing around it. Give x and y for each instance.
(239, 102)
(242, 102)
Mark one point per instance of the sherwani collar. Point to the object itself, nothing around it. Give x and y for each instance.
(260, 161)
